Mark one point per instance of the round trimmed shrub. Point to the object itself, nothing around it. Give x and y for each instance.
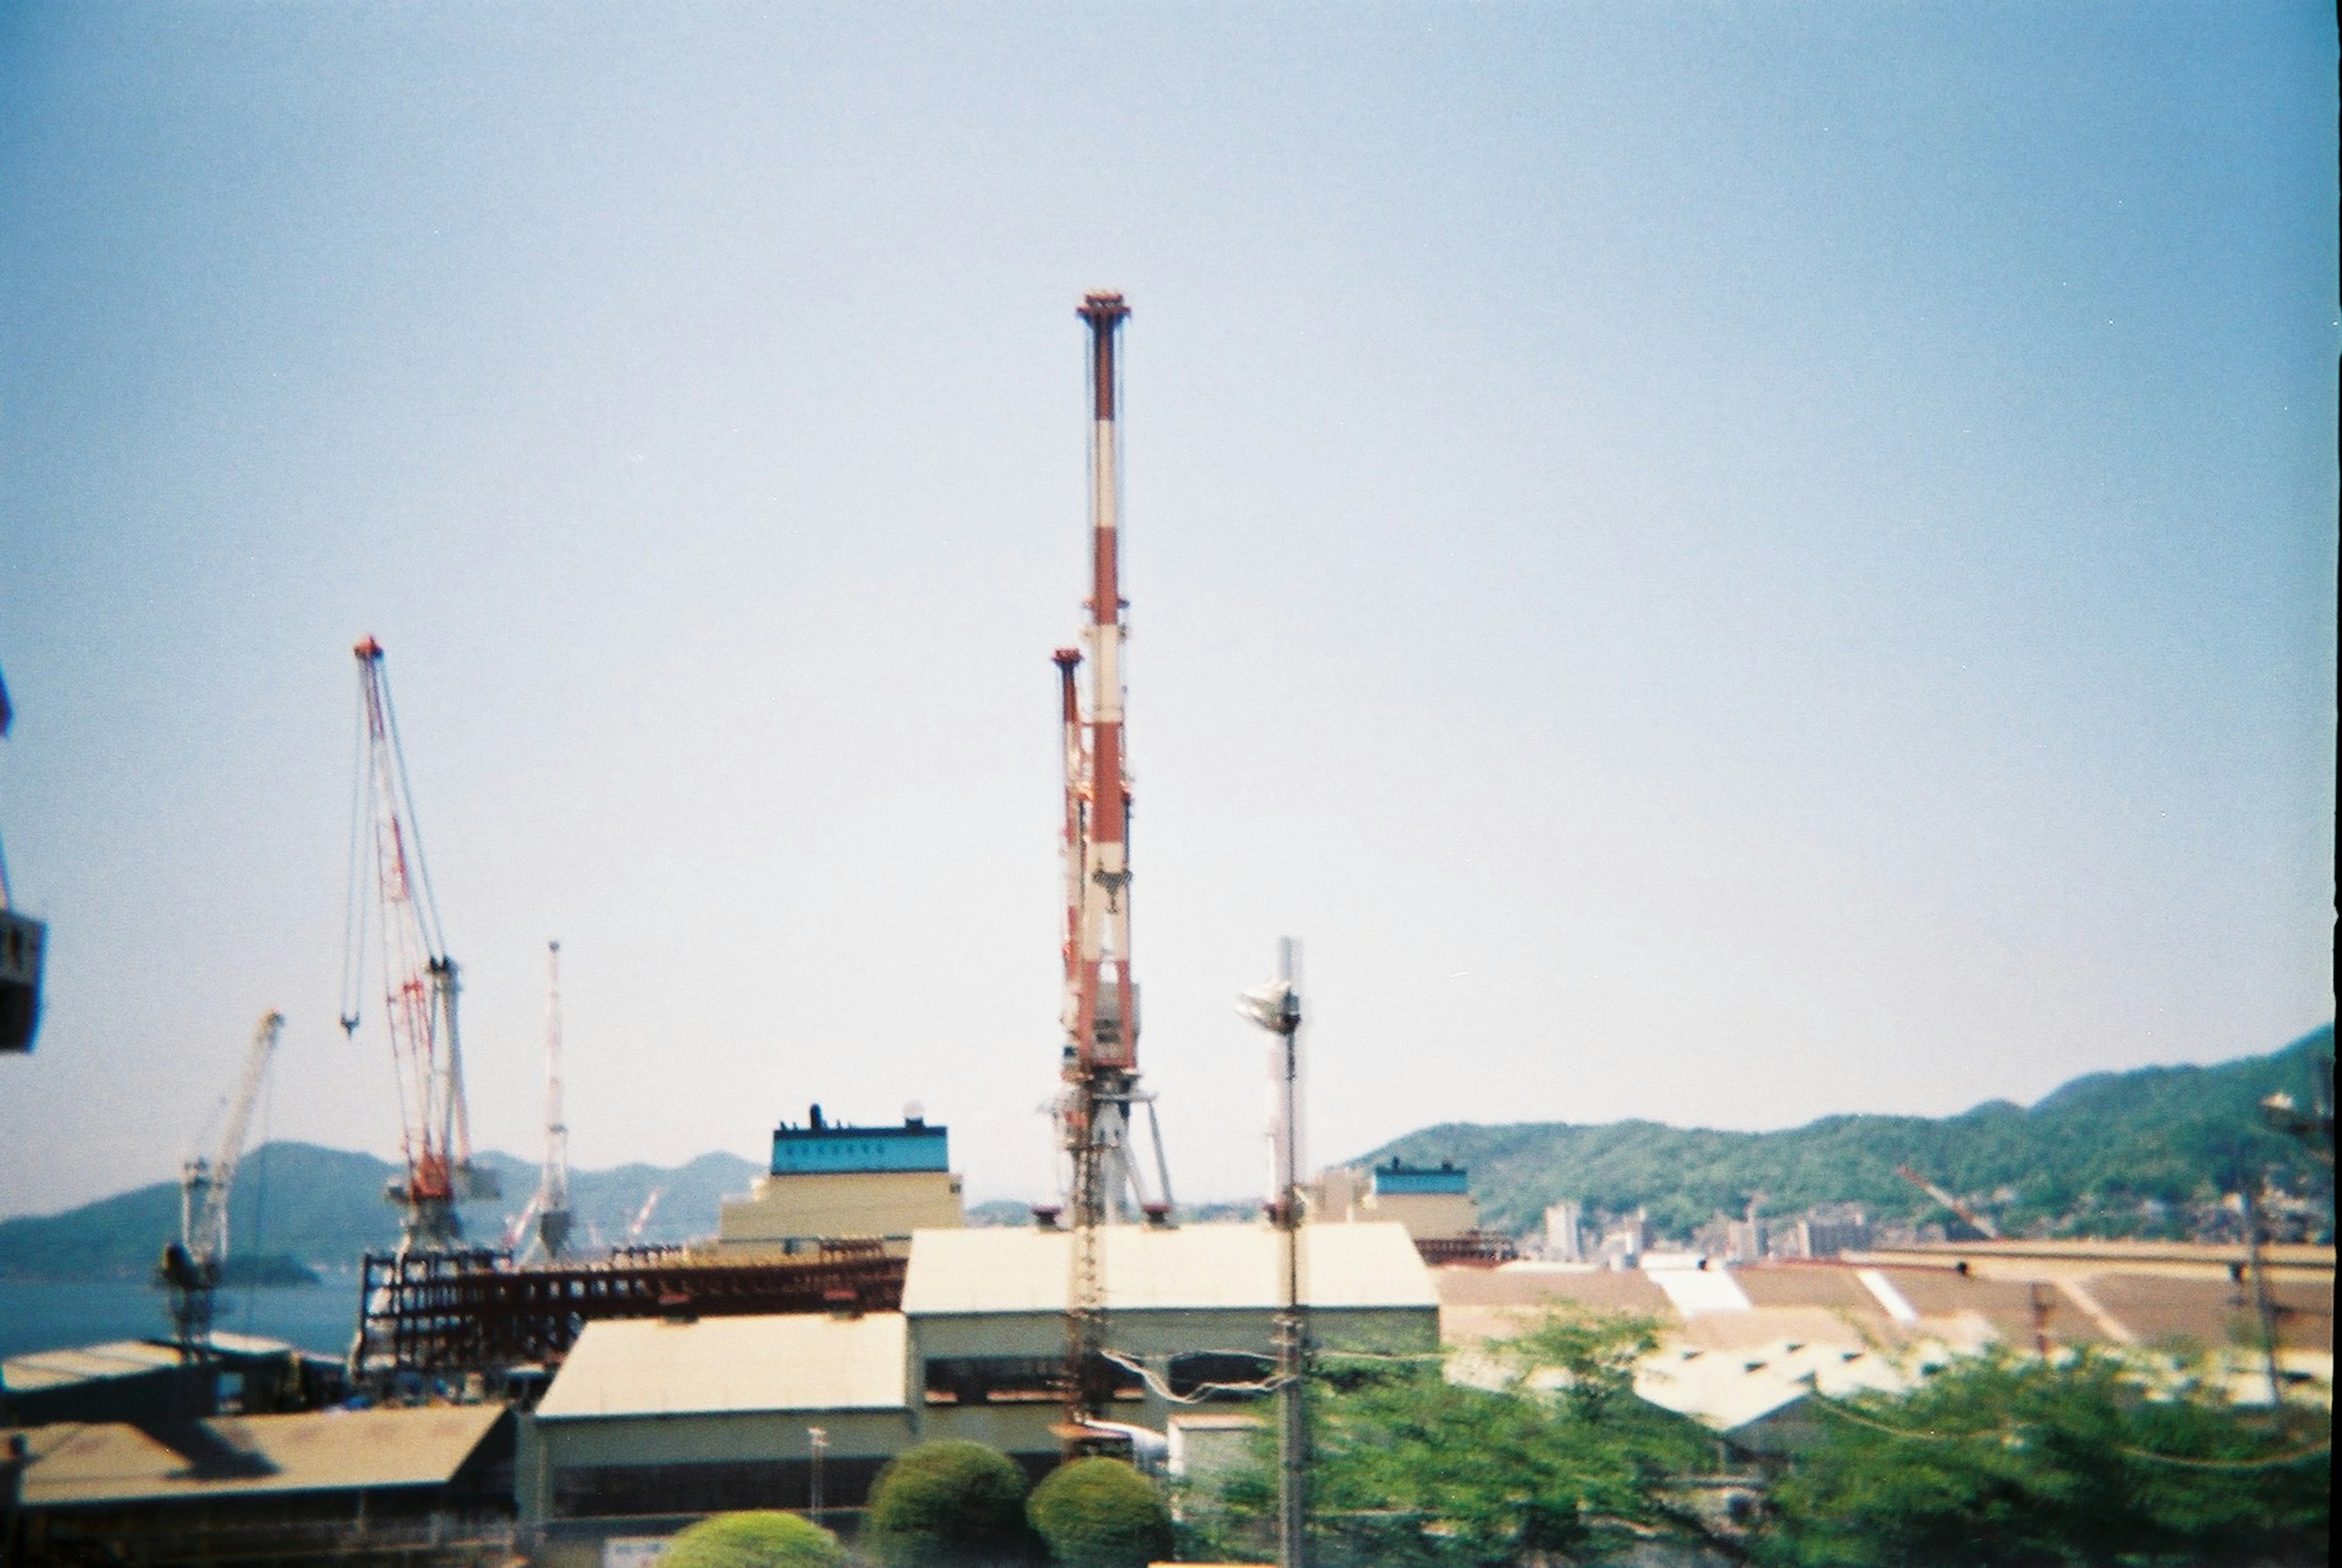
(1101, 1513)
(949, 1506)
(754, 1541)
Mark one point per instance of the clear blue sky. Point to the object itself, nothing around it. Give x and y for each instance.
(1715, 563)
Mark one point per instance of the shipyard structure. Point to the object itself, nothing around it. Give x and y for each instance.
(830, 1182)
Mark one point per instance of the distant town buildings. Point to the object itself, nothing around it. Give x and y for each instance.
(1565, 1231)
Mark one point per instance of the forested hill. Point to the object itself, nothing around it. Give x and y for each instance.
(2086, 1159)
(323, 1206)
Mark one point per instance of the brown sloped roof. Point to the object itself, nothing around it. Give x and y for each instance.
(2008, 1305)
(1600, 1290)
(328, 1451)
(2216, 1312)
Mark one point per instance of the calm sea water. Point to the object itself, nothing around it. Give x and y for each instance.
(43, 1314)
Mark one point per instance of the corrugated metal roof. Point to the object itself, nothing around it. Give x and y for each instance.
(54, 1368)
(804, 1361)
(323, 1451)
(1191, 1268)
(1595, 1289)
(1726, 1390)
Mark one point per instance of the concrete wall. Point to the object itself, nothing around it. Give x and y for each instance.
(777, 1439)
(1435, 1214)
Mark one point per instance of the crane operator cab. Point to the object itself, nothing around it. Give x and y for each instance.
(22, 939)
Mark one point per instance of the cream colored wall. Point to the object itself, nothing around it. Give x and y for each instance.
(1435, 1215)
(865, 1204)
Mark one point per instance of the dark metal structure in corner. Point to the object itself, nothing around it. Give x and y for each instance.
(437, 1314)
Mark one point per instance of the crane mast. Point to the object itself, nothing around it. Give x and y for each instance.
(390, 888)
(552, 1216)
(1099, 1062)
(191, 1266)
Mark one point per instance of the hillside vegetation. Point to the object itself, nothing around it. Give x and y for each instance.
(325, 1207)
(2092, 1157)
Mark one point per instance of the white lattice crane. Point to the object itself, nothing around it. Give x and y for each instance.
(192, 1264)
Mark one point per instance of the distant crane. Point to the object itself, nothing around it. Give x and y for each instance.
(642, 1219)
(419, 980)
(1980, 1223)
(553, 1219)
(191, 1266)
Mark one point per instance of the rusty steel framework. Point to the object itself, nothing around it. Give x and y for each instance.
(448, 1313)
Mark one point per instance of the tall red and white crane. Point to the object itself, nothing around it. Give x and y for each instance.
(1100, 1015)
(390, 890)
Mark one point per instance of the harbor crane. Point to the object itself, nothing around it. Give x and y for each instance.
(192, 1264)
(1099, 1062)
(390, 890)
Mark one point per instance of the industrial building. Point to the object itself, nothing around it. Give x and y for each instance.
(830, 1182)
(1433, 1202)
(355, 1485)
(675, 1418)
(650, 1418)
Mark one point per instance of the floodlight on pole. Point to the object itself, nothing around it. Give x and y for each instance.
(1275, 1006)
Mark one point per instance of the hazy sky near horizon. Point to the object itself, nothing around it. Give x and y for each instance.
(1715, 563)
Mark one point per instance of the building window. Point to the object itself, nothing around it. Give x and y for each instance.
(1008, 1379)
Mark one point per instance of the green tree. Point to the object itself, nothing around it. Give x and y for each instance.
(2006, 1461)
(1559, 1459)
(754, 1541)
(1100, 1513)
(949, 1506)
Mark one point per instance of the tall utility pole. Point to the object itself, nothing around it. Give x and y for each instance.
(1100, 1017)
(2264, 1311)
(552, 1216)
(1276, 1007)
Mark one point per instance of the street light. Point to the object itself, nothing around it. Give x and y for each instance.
(1276, 1007)
(818, 1439)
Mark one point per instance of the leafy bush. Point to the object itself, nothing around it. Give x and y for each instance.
(949, 1506)
(2005, 1461)
(1100, 1513)
(754, 1541)
(1410, 1470)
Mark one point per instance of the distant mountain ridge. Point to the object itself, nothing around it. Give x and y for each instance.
(325, 1207)
(2093, 1156)
(2086, 1156)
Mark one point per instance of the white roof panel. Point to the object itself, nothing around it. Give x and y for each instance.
(1189, 1268)
(800, 1360)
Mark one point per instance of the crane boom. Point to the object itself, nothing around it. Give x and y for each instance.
(209, 1237)
(1979, 1222)
(419, 980)
(192, 1264)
